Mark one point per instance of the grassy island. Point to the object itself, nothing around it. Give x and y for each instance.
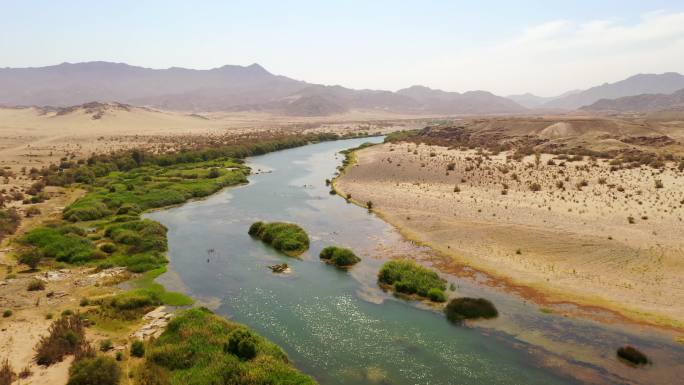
(460, 309)
(339, 256)
(408, 277)
(284, 237)
(200, 348)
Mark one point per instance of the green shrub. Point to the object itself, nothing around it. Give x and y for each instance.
(436, 295)
(632, 355)
(339, 256)
(406, 276)
(7, 313)
(138, 348)
(463, 308)
(285, 237)
(242, 343)
(129, 305)
(31, 258)
(63, 243)
(100, 370)
(84, 302)
(35, 285)
(106, 345)
(107, 247)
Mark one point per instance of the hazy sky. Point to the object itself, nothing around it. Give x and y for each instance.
(545, 47)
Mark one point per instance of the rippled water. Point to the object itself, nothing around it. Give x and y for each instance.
(339, 326)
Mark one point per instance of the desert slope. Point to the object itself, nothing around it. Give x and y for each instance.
(572, 242)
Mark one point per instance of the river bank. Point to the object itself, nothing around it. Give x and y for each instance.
(550, 256)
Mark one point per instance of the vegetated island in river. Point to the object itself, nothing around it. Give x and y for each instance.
(339, 256)
(407, 277)
(460, 309)
(287, 238)
(104, 229)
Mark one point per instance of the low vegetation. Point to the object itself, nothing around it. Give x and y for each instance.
(460, 309)
(407, 277)
(66, 336)
(632, 355)
(200, 348)
(285, 237)
(94, 370)
(339, 256)
(9, 222)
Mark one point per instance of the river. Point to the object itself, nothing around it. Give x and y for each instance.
(341, 328)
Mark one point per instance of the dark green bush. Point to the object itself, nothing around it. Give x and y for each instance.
(63, 243)
(339, 256)
(242, 343)
(406, 276)
(632, 355)
(138, 348)
(463, 308)
(108, 247)
(100, 370)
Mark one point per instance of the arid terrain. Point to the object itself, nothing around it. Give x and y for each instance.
(584, 229)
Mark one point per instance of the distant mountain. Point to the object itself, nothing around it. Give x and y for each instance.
(174, 88)
(228, 88)
(665, 83)
(471, 102)
(639, 103)
(533, 101)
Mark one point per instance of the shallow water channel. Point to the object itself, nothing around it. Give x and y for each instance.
(340, 328)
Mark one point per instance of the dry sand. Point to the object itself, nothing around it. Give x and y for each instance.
(570, 244)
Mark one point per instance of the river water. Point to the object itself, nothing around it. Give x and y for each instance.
(340, 328)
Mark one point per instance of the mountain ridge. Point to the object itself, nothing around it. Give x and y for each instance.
(225, 88)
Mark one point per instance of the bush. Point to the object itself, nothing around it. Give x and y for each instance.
(7, 375)
(108, 247)
(35, 285)
(436, 295)
(64, 243)
(406, 276)
(106, 345)
(7, 313)
(101, 370)
(339, 256)
(285, 237)
(463, 308)
(242, 343)
(129, 305)
(84, 302)
(632, 355)
(138, 348)
(31, 258)
(65, 336)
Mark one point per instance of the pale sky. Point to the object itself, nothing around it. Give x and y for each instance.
(544, 47)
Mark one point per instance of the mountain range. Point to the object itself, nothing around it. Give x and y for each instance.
(228, 88)
(253, 88)
(639, 103)
(665, 83)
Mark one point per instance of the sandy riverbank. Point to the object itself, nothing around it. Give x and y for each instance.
(569, 244)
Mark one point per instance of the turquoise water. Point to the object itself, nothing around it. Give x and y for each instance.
(339, 326)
